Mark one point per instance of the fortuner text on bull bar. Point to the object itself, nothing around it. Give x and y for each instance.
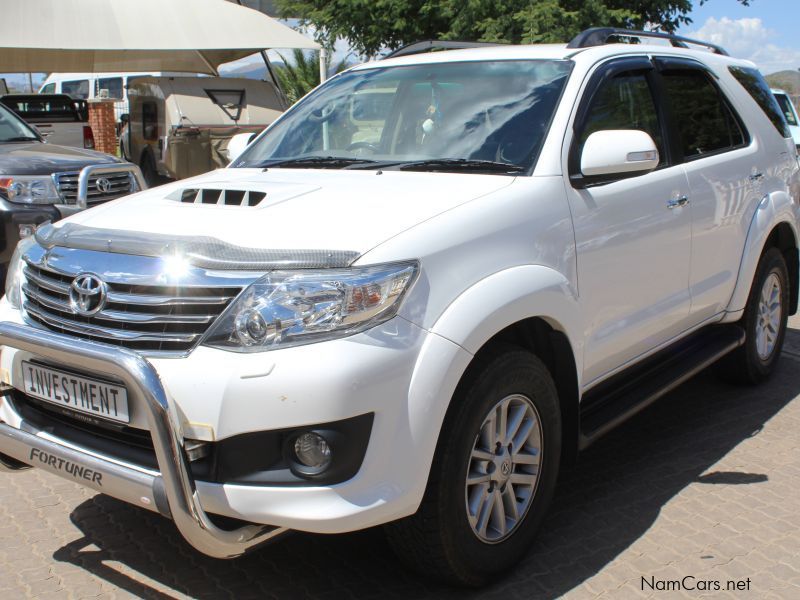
(127, 484)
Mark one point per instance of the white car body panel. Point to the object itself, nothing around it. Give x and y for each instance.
(611, 267)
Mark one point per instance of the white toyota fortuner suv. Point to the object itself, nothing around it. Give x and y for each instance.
(413, 298)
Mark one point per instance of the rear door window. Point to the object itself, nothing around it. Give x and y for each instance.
(705, 120)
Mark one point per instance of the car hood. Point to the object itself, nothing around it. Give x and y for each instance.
(37, 158)
(303, 209)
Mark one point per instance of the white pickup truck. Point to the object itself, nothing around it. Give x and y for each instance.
(55, 116)
(413, 298)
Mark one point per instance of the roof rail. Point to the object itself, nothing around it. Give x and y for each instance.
(598, 36)
(431, 45)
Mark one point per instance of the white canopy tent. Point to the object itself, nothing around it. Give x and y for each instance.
(193, 36)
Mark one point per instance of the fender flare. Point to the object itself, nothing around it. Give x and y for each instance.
(773, 210)
(502, 299)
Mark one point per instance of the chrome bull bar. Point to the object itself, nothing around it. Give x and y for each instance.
(174, 486)
(83, 179)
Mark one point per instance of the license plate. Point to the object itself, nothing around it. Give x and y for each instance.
(81, 394)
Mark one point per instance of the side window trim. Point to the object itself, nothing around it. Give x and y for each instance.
(604, 73)
(667, 63)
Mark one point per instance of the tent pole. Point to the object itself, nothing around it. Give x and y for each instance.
(208, 64)
(323, 64)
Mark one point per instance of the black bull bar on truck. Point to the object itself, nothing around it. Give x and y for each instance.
(172, 492)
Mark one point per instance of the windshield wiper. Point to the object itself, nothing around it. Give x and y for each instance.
(460, 164)
(21, 139)
(321, 162)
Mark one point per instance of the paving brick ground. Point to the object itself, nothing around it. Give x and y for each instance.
(704, 484)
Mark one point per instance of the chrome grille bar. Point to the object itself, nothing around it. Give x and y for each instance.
(145, 317)
(105, 332)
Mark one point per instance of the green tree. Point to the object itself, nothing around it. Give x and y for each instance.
(369, 25)
(301, 75)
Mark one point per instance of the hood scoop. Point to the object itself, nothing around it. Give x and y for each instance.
(219, 196)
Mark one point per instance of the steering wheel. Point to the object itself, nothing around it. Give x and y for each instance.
(362, 146)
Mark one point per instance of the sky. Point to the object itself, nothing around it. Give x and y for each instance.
(766, 32)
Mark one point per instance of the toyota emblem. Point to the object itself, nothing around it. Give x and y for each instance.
(103, 185)
(87, 294)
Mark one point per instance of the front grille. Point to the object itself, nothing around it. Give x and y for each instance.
(149, 318)
(119, 184)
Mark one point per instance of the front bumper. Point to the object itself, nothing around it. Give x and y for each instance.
(172, 492)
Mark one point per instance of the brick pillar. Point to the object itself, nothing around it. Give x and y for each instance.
(103, 124)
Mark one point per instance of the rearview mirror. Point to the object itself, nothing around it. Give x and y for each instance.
(623, 152)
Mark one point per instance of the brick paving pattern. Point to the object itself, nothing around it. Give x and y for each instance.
(705, 483)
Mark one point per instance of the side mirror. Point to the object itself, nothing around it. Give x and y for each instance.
(124, 118)
(238, 144)
(623, 152)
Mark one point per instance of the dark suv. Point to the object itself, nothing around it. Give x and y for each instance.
(42, 182)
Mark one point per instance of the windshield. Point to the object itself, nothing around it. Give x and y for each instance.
(481, 116)
(786, 107)
(13, 129)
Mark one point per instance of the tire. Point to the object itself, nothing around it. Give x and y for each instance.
(764, 323)
(441, 540)
(149, 170)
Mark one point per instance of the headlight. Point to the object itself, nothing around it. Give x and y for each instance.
(29, 190)
(291, 308)
(14, 275)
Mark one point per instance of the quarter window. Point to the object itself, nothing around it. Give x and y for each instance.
(705, 121)
(624, 102)
(50, 88)
(757, 87)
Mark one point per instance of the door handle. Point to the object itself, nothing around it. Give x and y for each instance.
(676, 202)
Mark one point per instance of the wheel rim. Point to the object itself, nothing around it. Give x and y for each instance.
(503, 469)
(768, 319)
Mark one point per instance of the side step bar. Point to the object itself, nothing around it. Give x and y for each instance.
(619, 398)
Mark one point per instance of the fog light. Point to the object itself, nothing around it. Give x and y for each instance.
(313, 452)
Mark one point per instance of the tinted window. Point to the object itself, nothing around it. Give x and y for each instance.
(624, 102)
(31, 107)
(758, 88)
(786, 108)
(705, 121)
(112, 84)
(76, 89)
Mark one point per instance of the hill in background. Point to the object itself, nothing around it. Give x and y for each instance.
(786, 80)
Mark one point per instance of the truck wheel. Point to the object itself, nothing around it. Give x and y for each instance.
(493, 475)
(764, 322)
(149, 170)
